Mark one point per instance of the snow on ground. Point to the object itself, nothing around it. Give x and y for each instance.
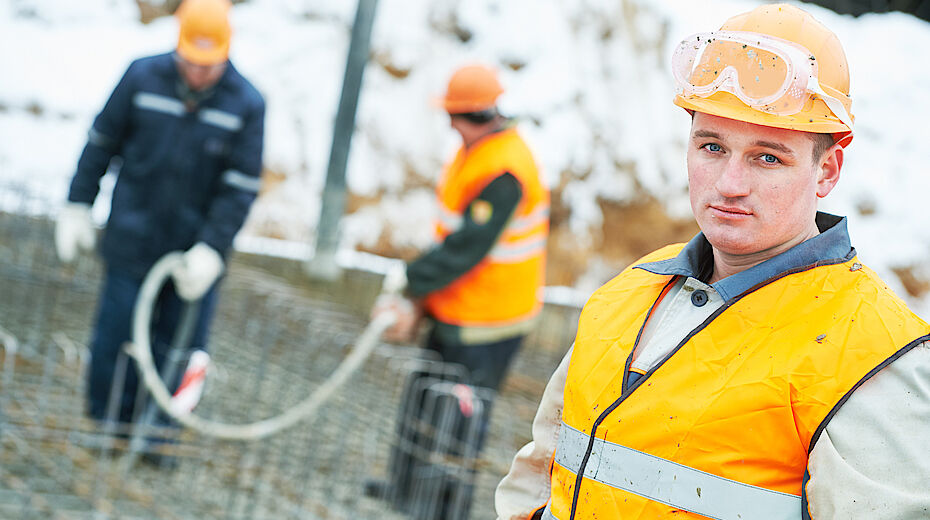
(588, 79)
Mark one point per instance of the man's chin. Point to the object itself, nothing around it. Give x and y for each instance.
(734, 242)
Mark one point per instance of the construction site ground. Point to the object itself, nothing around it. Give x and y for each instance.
(276, 337)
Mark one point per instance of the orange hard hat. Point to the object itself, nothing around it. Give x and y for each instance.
(796, 26)
(204, 34)
(472, 88)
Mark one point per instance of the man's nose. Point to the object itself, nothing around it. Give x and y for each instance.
(734, 181)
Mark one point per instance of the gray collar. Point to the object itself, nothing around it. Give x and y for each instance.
(831, 246)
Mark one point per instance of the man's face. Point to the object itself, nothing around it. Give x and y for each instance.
(200, 77)
(469, 131)
(754, 188)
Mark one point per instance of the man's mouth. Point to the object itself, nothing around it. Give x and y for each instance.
(730, 211)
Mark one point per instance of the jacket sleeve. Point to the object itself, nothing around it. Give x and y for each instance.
(104, 140)
(239, 183)
(872, 459)
(467, 246)
(526, 488)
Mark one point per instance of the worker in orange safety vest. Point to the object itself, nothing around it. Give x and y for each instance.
(480, 284)
(759, 371)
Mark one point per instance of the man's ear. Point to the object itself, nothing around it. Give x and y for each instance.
(828, 172)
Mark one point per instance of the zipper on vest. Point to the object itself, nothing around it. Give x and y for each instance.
(629, 360)
(627, 391)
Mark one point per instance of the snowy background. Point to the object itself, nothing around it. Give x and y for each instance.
(588, 79)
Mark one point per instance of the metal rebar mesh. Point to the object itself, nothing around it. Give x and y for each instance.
(275, 338)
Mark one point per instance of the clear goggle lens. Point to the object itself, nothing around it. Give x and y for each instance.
(767, 73)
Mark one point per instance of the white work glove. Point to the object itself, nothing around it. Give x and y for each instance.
(74, 231)
(408, 313)
(200, 266)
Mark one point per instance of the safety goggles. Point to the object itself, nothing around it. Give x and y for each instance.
(769, 74)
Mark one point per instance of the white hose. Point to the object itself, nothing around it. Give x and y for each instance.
(140, 350)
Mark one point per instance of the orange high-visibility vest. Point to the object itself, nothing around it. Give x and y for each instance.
(502, 288)
(723, 427)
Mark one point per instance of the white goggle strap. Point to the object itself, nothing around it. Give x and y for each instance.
(832, 103)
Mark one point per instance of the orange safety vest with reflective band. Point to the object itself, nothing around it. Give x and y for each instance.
(502, 288)
(723, 427)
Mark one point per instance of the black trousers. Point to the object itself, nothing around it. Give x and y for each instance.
(437, 426)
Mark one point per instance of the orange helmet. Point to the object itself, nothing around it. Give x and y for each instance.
(204, 34)
(472, 88)
(721, 80)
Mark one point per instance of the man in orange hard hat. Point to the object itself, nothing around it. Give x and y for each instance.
(186, 131)
(479, 285)
(760, 370)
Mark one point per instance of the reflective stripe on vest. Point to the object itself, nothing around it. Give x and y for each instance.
(506, 249)
(175, 107)
(671, 483)
(449, 222)
(159, 103)
(220, 119)
(103, 141)
(518, 250)
(538, 217)
(241, 181)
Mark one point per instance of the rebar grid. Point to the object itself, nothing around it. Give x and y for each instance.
(274, 340)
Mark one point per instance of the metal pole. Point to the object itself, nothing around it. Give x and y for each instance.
(323, 265)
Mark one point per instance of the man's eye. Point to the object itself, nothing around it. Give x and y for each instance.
(770, 159)
(712, 147)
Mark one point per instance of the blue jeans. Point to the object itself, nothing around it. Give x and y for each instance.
(114, 328)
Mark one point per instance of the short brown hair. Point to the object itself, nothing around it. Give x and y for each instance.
(822, 143)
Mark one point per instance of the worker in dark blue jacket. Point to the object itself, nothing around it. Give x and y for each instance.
(184, 133)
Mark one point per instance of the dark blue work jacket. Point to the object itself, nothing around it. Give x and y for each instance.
(189, 170)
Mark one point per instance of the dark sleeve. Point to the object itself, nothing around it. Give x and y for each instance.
(239, 183)
(104, 140)
(464, 248)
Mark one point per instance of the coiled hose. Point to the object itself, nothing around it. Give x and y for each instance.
(140, 351)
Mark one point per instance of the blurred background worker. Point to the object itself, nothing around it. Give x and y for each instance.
(479, 285)
(187, 129)
(760, 370)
